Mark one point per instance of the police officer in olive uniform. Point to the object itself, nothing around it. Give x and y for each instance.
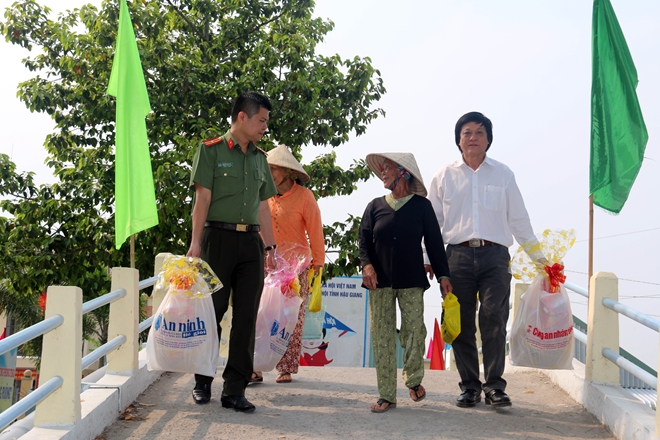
(232, 231)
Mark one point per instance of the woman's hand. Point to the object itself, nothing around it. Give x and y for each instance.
(429, 271)
(271, 263)
(445, 287)
(369, 277)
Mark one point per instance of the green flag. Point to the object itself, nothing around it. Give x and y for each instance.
(618, 132)
(135, 200)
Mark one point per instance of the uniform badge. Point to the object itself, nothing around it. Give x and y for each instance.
(230, 142)
(212, 142)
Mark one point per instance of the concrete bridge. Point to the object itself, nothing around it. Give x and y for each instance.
(124, 400)
(333, 402)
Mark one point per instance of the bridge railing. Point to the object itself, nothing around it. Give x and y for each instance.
(57, 399)
(58, 396)
(603, 363)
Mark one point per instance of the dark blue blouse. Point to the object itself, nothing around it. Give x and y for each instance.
(392, 242)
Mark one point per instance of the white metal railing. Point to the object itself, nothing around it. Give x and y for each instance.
(577, 289)
(103, 300)
(603, 364)
(63, 333)
(631, 368)
(631, 313)
(28, 334)
(23, 405)
(620, 361)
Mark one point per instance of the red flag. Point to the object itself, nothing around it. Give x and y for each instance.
(437, 361)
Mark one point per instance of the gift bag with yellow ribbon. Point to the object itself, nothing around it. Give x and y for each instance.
(279, 306)
(542, 329)
(184, 334)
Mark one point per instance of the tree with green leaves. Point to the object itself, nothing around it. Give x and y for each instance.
(197, 56)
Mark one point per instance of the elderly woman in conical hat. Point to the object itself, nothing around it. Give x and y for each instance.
(390, 236)
(296, 218)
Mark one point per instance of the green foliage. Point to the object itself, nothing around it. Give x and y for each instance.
(197, 55)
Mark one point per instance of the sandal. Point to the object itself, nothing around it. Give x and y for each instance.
(283, 378)
(414, 393)
(376, 408)
(257, 377)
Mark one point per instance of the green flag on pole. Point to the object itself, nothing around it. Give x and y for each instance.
(135, 200)
(618, 132)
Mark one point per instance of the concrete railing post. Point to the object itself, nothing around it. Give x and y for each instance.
(124, 320)
(157, 295)
(60, 356)
(603, 329)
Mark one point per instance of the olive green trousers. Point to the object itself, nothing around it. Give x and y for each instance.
(382, 308)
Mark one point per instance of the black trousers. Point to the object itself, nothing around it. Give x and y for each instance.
(237, 258)
(483, 270)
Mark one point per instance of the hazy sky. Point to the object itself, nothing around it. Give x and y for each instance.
(524, 64)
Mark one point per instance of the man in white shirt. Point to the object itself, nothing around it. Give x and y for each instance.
(480, 209)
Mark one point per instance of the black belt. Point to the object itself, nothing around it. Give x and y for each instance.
(476, 242)
(232, 226)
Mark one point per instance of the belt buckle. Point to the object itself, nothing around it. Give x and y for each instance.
(474, 242)
(241, 228)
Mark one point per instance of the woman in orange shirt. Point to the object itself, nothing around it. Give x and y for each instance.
(296, 219)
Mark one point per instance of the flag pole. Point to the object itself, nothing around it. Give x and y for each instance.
(133, 251)
(590, 270)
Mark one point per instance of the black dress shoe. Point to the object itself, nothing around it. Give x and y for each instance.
(202, 393)
(239, 403)
(468, 398)
(497, 398)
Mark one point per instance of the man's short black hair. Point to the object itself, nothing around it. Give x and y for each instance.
(479, 118)
(250, 103)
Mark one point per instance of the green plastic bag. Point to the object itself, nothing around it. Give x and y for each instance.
(451, 319)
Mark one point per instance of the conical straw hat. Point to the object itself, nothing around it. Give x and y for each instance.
(282, 157)
(406, 160)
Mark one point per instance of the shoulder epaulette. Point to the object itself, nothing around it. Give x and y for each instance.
(263, 151)
(213, 141)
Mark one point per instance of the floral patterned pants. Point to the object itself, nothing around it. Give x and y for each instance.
(291, 359)
(382, 307)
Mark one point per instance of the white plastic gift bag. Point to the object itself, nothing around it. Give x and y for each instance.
(542, 330)
(184, 334)
(279, 306)
(276, 321)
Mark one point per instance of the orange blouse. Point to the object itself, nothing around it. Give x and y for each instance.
(297, 219)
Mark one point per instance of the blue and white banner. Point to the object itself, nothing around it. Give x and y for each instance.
(343, 342)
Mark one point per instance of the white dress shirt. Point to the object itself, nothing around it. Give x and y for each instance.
(484, 204)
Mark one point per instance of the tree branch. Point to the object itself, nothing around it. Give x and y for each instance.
(184, 18)
(259, 26)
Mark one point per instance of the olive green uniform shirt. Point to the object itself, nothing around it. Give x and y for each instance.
(238, 182)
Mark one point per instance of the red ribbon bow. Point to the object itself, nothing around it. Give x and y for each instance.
(555, 276)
